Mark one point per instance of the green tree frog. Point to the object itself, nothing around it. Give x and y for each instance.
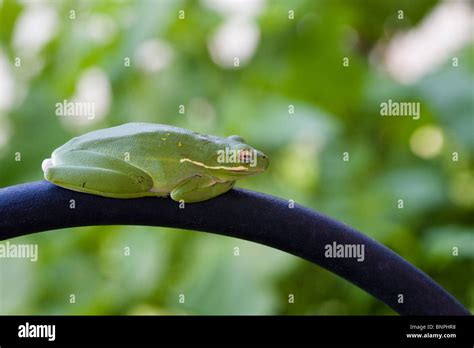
(145, 159)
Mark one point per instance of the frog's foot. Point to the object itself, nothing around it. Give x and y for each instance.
(199, 188)
(47, 163)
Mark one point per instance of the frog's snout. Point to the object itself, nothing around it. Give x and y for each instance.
(47, 163)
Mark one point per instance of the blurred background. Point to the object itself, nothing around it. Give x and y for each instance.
(300, 80)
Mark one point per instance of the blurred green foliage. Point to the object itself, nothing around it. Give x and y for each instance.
(297, 62)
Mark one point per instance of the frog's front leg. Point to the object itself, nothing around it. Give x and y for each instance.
(90, 172)
(199, 188)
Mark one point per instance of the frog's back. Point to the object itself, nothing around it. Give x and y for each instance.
(130, 137)
(155, 148)
(122, 133)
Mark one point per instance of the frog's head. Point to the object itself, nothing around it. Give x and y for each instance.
(232, 158)
(235, 159)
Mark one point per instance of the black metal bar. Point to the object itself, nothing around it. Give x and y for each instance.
(41, 206)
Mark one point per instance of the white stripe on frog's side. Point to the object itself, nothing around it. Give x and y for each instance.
(166, 193)
(157, 190)
(237, 169)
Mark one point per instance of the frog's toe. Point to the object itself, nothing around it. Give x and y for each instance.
(47, 163)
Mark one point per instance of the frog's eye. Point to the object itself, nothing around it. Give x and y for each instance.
(237, 138)
(245, 156)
